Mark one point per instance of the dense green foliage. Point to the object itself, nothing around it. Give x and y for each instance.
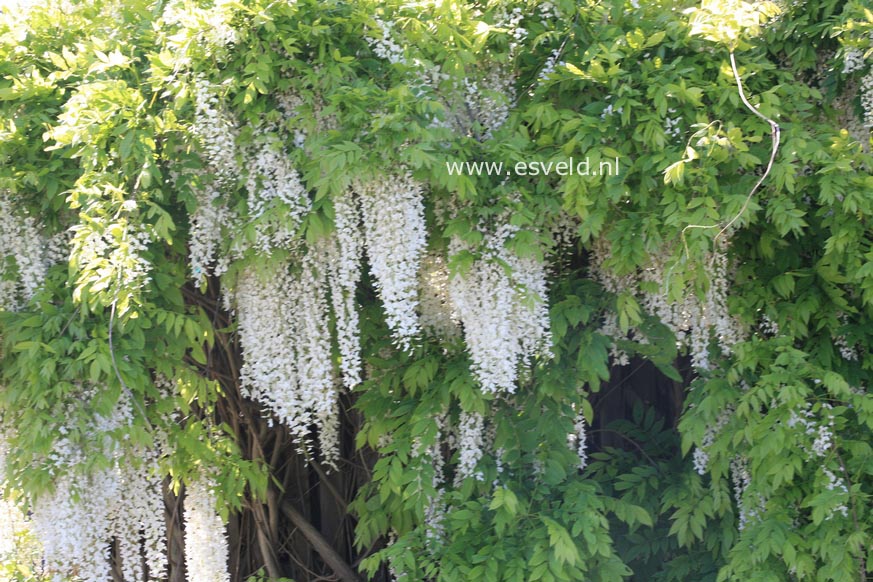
(100, 139)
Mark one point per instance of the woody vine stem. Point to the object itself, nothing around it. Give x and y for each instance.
(774, 137)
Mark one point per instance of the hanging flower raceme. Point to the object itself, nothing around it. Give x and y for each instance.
(206, 546)
(283, 320)
(435, 510)
(741, 477)
(867, 98)
(204, 28)
(85, 511)
(505, 316)
(73, 529)
(209, 221)
(344, 252)
(490, 98)
(578, 440)
(695, 321)
(701, 453)
(272, 179)
(217, 131)
(470, 443)
(112, 255)
(21, 244)
(383, 44)
(395, 238)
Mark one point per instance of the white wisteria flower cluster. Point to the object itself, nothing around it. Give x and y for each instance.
(395, 236)
(701, 453)
(202, 29)
(277, 201)
(217, 131)
(435, 509)
(853, 60)
(490, 98)
(847, 352)
(694, 320)
(578, 440)
(511, 22)
(470, 443)
(550, 65)
(283, 326)
(821, 433)
(77, 519)
(383, 44)
(838, 484)
(272, 177)
(206, 545)
(344, 253)
(112, 255)
(504, 314)
(208, 222)
(672, 127)
(867, 98)
(741, 478)
(21, 243)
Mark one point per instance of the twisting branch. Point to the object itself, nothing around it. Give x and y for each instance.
(774, 138)
(330, 556)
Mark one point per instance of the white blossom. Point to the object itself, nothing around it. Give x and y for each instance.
(206, 29)
(578, 440)
(768, 326)
(114, 253)
(836, 484)
(550, 65)
(505, 316)
(22, 243)
(511, 22)
(847, 352)
(206, 546)
(78, 518)
(74, 530)
(749, 507)
(820, 433)
(217, 131)
(471, 430)
(383, 43)
(344, 255)
(270, 176)
(853, 60)
(609, 111)
(671, 124)
(548, 11)
(490, 98)
(701, 453)
(694, 321)
(285, 338)
(208, 223)
(395, 237)
(435, 508)
(867, 98)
